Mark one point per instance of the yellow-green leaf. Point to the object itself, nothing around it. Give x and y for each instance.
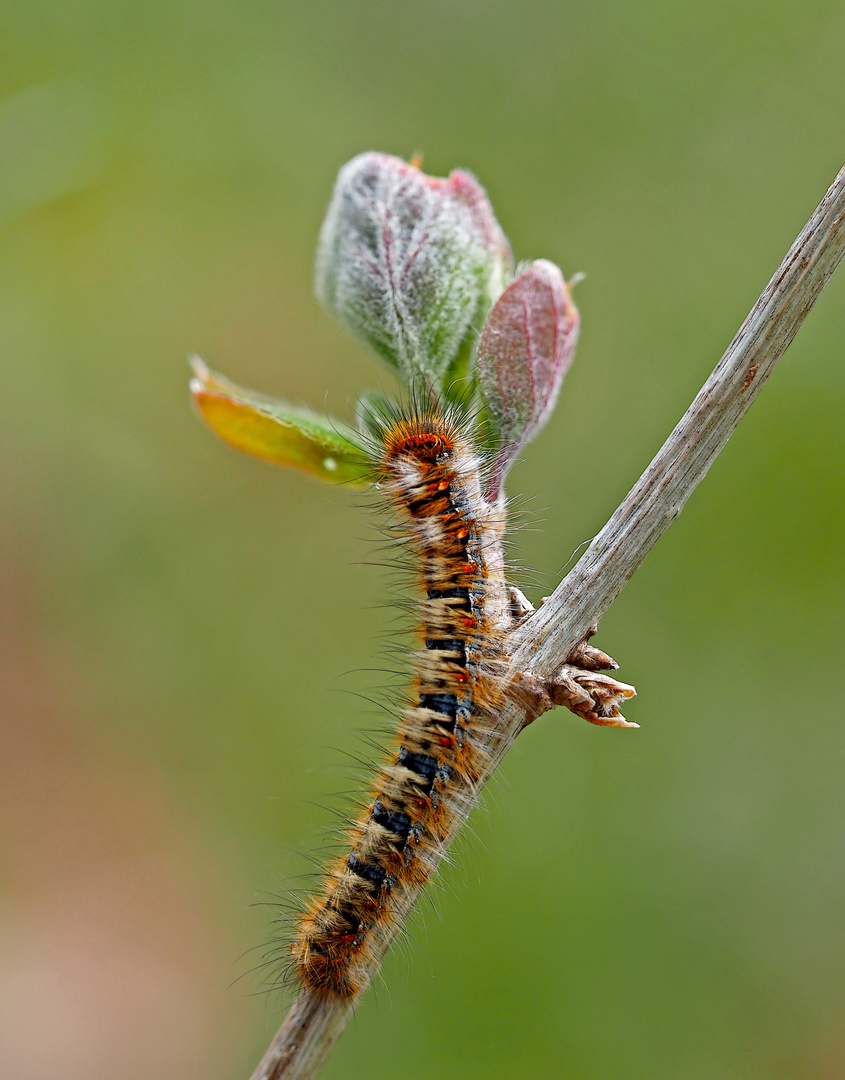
(276, 431)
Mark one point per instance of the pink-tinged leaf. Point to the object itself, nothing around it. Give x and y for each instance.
(525, 350)
(276, 431)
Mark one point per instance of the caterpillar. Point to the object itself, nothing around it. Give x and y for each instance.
(431, 474)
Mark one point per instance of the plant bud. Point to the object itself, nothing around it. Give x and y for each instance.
(411, 264)
(525, 350)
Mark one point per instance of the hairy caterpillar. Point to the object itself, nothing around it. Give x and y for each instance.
(428, 469)
(419, 269)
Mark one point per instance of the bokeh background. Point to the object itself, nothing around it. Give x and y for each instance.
(178, 622)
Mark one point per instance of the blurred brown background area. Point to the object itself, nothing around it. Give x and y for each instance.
(178, 622)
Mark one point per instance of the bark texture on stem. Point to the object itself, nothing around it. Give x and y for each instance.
(304, 1041)
(682, 462)
(543, 641)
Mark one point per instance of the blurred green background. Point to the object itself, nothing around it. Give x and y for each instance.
(178, 621)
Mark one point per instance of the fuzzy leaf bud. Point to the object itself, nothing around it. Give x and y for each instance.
(411, 264)
(525, 350)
